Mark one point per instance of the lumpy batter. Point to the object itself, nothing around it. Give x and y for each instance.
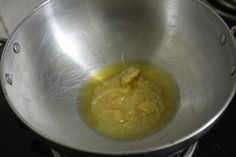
(129, 104)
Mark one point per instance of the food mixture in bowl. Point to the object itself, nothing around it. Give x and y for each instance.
(130, 100)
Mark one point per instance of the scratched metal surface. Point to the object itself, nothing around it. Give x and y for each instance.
(67, 41)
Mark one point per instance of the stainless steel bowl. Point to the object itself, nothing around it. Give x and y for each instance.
(61, 43)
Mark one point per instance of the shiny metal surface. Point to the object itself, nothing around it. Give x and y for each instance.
(233, 29)
(188, 153)
(63, 42)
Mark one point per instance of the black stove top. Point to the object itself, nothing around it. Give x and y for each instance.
(16, 140)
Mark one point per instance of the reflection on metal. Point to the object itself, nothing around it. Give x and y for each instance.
(190, 151)
(233, 29)
(56, 154)
(65, 41)
(186, 153)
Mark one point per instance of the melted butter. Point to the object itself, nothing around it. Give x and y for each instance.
(127, 101)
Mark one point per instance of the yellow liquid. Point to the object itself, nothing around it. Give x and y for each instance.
(122, 112)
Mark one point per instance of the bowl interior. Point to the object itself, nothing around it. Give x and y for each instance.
(63, 42)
